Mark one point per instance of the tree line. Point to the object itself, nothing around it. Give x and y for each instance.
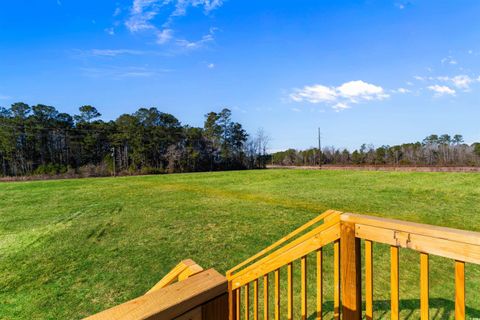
(41, 140)
(434, 150)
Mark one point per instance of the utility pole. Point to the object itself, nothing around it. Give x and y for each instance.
(319, 147)
(113, 159)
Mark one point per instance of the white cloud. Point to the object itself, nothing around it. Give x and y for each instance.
(402, 90)
(110, 31)
(195, 44)
(340, 97)
(314, 94)
(4, 97)
(340, 106)
(164, 36)
(449, 60)
(117, 12)
(119, 73)
(211, 65)
(296, 110)
(144, 12)
(441, 90)
(419, 78)
(462, 81)
(113, 52)
(360, 90)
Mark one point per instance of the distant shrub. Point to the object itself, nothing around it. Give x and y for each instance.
(50, 169)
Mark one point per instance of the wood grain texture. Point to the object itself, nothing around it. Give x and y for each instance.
(303, 280)
(255, 299)
(324, 235)
(459, 290)
(424, 286)
(319, 284)
(351, 272)
(171, 301)
(327, 215)
(290, 291)
(277, 294)
(246, 301)
(336, 280)
(368, 279)
(265, 297)
(394, 282)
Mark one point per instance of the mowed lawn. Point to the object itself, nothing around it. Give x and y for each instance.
(70, 248)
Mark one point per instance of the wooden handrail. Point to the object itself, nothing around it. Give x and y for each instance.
(440, 241)
(302, 228)
(182, 271)
(171, 301)
(346, 230)
(318, 237)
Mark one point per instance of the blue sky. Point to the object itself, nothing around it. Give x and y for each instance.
(380, 72)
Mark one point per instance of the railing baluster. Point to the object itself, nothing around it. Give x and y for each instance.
(394, 282)
(459, 290)
(303, 262)
(369, 279)
(265, 297)
(336, 280)
(424, 286)
(290, 291)
(237, 304)
(255, 299)
(277, 294)
(319, 283)
(247, 304)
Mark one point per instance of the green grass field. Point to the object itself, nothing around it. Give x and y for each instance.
(70, 248)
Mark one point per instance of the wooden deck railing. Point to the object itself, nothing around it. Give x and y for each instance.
(346, 231)
(206, 295)
(197, 295)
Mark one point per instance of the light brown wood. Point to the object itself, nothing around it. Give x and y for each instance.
(459, 290)
(351, 272)
(238, 304)
(369, 280)
(432, 245)
(246, 301)
(180, 272)
(265, 297)
(303, 297)
(171, 301)
(319, 283)
(255, 299)
(277, 294)
(394, 282)
(463, 236)
(324, 216)
(424, 287)
(318, 235)
(277, 260)
(290, 291)
(336, 280)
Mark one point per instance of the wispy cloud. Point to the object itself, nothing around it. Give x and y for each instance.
(461, 81)
(122, 72)
(441, 90)
(341, 97)
(4, 97)
(114, 52)
(449, 60)
(144, 12)
(196, 44)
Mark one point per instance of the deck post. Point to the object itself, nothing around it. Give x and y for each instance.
(350, 272)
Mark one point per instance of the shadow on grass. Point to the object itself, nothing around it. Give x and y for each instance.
(440, 309)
